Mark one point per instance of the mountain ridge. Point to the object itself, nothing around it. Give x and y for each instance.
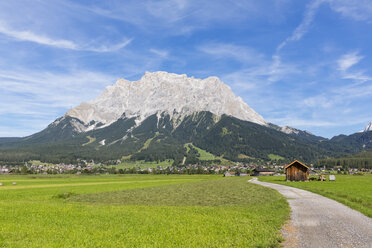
(158, 92)
(155, 117)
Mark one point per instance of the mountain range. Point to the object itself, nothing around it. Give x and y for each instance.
(169, 116)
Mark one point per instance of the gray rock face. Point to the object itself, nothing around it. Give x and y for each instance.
(159, 92)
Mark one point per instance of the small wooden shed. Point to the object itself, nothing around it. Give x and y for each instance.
(297, 171)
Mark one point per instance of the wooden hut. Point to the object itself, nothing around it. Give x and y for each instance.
(297, 171)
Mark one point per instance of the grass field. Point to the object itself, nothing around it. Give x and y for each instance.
(274, 157)
(204, 155)
(351, 190)
(143, 164)
(138, 211)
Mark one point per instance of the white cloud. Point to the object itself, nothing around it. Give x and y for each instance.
(159, 52)
(107, 48)
(35, 91)
(345, 62)
(359, 77)
(304, 26)
(360, 10)
(182, 17)
(257, 71)
(296, 122)
(32, 100)
(224, 50)
(305, 123)
(319, 101)
(348, 60)
(30, 36)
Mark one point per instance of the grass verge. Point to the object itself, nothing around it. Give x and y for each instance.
(351, 190)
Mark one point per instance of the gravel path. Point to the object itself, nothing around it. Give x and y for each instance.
(317, 221)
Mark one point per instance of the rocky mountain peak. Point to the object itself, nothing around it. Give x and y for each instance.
(155, 92)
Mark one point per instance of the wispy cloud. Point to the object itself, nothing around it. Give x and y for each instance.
(41, 39)
(33, 99)
(360, 10)
(358, 76)
(306, 123)
(356, 9)
(304, 26)
(159, 52)
(262, 73)
(321, 101)
(30, 36)
(348, 60)
(56, 90)
(255, 71)
(179, 17)
(243, 54)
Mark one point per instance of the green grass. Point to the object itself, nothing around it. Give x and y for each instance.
(204, 155)
(353, 191)
(274, 157)
(225, 131)
(138, 211)
(142, 164)
(147, 143)
(90, 141)
(243, 156)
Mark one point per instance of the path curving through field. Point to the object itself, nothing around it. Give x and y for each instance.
(317, 221)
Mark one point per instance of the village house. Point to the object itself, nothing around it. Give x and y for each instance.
(229, 174)
(4, 170)
(297, 171)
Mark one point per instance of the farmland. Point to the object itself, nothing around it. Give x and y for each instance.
(352, 190)
(138, 211)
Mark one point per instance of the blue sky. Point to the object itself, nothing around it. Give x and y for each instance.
(306, 64)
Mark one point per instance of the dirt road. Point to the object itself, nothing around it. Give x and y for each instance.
(317, 221)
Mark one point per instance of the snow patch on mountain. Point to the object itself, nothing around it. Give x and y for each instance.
(159, 92)
(368, 127)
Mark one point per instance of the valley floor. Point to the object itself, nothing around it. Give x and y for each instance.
(139, 211)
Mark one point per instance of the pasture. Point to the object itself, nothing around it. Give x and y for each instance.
(138, 211)
(354, 191)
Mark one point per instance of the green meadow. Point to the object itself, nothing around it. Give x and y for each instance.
(125, 164)
(138, 211)
(354, 191)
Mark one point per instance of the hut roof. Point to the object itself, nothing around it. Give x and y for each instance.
(296, 161)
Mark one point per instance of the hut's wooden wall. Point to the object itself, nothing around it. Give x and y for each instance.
(297, 172)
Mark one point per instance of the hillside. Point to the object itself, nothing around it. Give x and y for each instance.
(158, 139)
